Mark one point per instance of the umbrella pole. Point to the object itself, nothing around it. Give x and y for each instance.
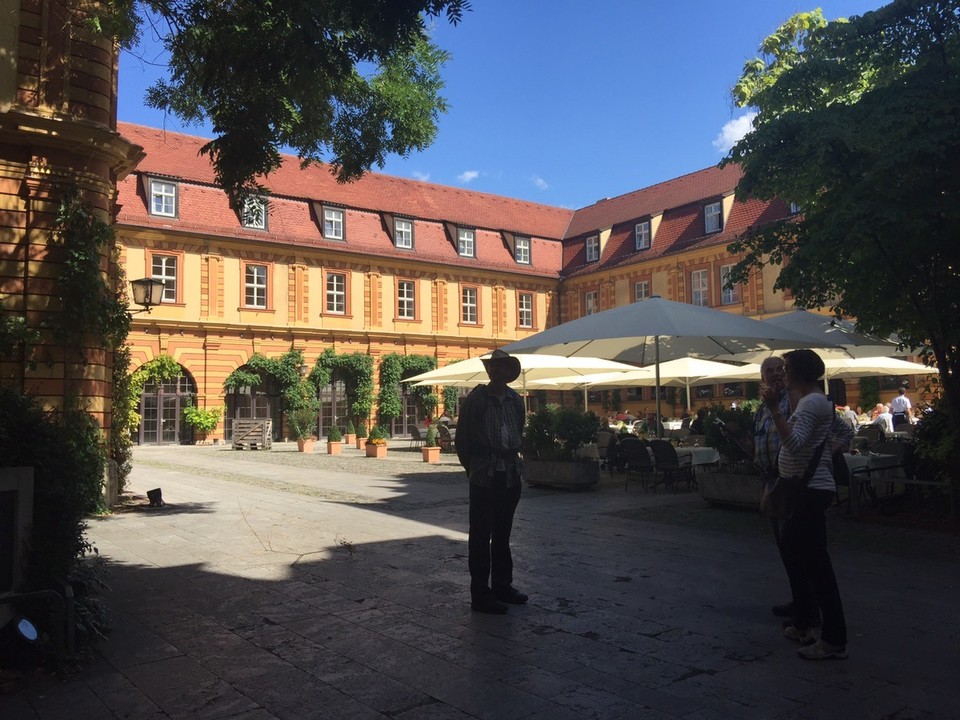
(656, 359)
(688, 394)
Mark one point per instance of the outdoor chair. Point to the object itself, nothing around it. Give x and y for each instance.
(444, 438)
(691, 440)
(609, 448)
(669, 465)
(873, 434)
(637, 459)
(416, 439)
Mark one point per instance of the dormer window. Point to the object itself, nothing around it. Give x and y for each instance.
(254, 213)
(522, 252)
(712, 217)
(641, 235)
(403, 233)
(794, 208)
(333, 223)
(466, 242)
(163, 198)
(593, 248)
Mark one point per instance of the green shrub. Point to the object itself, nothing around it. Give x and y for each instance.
(202, 419)
(350, 429)
(556, 433)
(361, 429)
(302, 423)
(378, 435)
(333, 434)
(431, 438)
(65, 452)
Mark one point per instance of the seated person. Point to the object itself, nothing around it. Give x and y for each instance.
(849, 416)
(885, 419)
(696, 426)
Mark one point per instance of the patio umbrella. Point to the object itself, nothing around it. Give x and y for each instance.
(682, 372)
(850, 368)
(654, 330)
(825, 331)
(468, 373)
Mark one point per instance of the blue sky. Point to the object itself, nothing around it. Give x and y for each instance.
(569, 102)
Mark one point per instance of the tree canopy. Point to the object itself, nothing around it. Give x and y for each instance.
(341, 81)
(859, 123)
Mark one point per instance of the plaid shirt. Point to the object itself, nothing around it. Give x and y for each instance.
(490, 435)
(766, 441)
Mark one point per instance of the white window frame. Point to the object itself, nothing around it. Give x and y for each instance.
(728, 296)
(407, 300)
(700, 288)
(336, 291)
(249, 219)
(333, 223)
(525, 309)
(641, 290)
(592, 245)
(641, 235)
(522, 250)
(469, 305)
(466, 242)
(795, 208)
(255, 286)
(712, 217)
(591, 301)
(166, 271)
(403, 233)
(167, 193)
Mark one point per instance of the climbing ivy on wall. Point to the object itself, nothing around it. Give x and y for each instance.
(284, 371)
(393, 369)
(356, 372)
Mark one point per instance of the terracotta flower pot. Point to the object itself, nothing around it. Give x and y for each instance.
(361, 442)
(431, 454)
(306, 445)
(333, 447)
(350, 439)
(376, 451)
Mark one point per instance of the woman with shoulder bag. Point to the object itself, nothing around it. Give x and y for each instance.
(808, 438)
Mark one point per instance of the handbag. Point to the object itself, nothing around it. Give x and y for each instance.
(782, 497)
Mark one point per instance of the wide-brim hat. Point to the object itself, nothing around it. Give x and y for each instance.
(499, 356)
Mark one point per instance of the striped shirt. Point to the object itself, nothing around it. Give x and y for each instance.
(490, 435)
(813, 422)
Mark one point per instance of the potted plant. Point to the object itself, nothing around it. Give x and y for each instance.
(202, 420)
(376, 445)
(334, 440)
(737, 481)
(350, 433)
(431, 446)
(302, 423)
(361, 435)
(551, 441)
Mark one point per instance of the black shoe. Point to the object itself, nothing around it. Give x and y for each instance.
(488, 604)
(510, 595)
(785, 610)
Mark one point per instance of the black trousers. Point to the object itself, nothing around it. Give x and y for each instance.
(804, 543)
(491, 520)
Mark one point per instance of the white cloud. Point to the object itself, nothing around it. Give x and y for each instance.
(468, 175)
(420, 175)
(733, 131)
(539, 182)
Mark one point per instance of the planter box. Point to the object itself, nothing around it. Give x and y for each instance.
(350, 439)
(361, 443)
(431, 454)
(559, 473)
(306, 446)
(333, 447)
(376, 451)
(730, 489)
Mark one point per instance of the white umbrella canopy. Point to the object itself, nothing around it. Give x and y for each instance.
(682, 372)
(850, 368)
(824, 331)
(468, 373)
(653, 330)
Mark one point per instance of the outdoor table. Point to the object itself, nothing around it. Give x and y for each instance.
(700, 455)
(672, 424)
(856, 464)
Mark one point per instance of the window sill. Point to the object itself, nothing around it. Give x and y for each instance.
(470, 325)
(406, 320)
(348, 316)
(245, 308)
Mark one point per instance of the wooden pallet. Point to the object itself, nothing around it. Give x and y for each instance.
(253, 434)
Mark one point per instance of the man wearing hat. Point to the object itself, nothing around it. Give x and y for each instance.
(489, 437)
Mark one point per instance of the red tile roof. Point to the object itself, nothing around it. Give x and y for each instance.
(178, 155)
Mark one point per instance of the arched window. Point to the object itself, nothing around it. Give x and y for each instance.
(161, 411)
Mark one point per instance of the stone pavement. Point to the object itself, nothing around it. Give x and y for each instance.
(279, 585)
